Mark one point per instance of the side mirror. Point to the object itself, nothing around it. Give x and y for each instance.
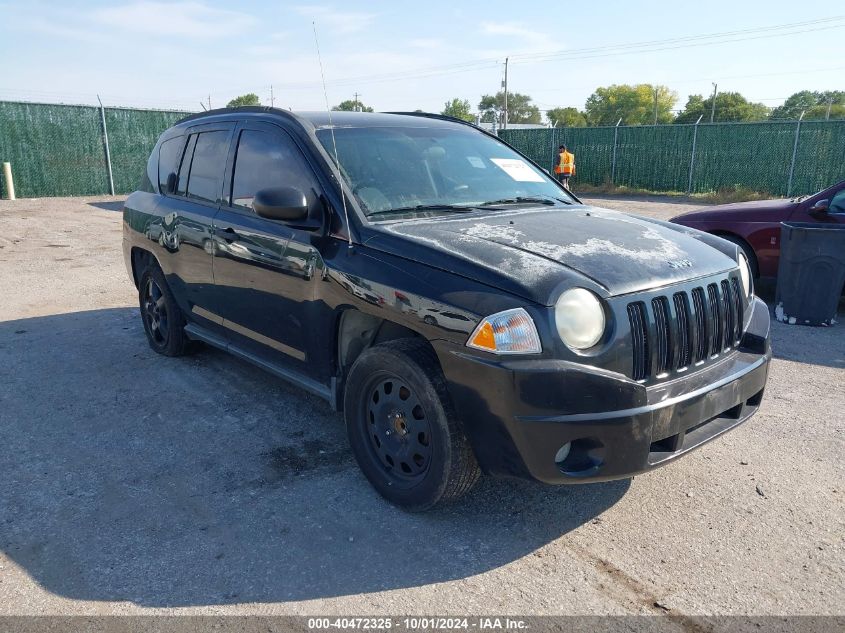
(171, 182)
(821, 206)
(281, 203)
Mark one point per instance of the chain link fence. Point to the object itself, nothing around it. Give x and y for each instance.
(60, 150)
(778, 158)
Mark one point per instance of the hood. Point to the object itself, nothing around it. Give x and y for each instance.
(529, 252)
(756, 210)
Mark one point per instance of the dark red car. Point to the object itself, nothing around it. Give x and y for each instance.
(755, 226)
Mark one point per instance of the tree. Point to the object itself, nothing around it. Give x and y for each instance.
(520, 108)
(352, 106)
(250, 99)
(730, 106)
(566, 117)
(458, 108)
(813, 103)
(633, 104)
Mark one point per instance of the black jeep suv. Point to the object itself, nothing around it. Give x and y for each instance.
(464, 311)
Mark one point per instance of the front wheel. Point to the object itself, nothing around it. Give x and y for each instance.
(402, 429)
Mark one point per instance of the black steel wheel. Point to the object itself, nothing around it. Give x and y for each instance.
(399, 433)
(163, 320)
(402, 428)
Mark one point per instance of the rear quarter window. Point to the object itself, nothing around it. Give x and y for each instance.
(184, 170)
(169, 155)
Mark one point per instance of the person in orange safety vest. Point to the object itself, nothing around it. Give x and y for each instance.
(565, 166)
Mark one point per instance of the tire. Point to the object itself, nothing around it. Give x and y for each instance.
(163, 321)
(746, 250)
(403, 429)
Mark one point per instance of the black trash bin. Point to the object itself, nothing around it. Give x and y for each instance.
(811, 273)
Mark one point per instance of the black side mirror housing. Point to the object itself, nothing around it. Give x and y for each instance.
(821, 206)
(171, 182)
(287, 204)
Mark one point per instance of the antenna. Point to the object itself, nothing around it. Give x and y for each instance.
(334, 142)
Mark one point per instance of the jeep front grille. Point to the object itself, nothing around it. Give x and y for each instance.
(673, 332)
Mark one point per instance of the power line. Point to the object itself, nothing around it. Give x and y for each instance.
(593, 52)
(626, 48)
(619, 49)
(525, 58)
(675, 82)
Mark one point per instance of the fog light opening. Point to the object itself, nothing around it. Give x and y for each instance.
(581, 457)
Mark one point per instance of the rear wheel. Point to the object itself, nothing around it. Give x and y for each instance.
(163, 320)
(402, 429)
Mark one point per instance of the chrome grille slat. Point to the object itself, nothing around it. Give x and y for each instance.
(728, 307)
(715, 319)
(639, 340)
(660, 306)
(684, 333)
(698, 302)
(740, 316)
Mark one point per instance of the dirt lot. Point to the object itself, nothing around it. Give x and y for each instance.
(133, 483)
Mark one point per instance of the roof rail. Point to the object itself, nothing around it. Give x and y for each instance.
(443, 117)
(239, 109)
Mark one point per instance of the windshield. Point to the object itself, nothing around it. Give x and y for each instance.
(425, 170)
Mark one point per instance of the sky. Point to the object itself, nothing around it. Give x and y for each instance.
(407, 56)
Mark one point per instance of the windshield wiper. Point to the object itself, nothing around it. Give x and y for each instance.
(548, 200)
(454, 208)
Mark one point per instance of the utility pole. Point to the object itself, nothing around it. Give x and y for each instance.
(713, 105)
(356, 102)
(655, 104)
(829, 103)
(209, 102)
(272, 100)
(794, 154)
(106, 144)
(505, 120)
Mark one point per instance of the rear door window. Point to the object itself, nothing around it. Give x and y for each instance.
(205, 179)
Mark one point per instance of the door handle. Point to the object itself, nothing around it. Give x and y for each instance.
(228, 234)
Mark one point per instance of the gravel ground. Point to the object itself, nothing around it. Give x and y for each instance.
(133, 483)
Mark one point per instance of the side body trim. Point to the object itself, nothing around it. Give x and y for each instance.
(199, 333)
(245, 331)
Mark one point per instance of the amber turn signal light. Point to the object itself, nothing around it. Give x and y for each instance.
(509, 332)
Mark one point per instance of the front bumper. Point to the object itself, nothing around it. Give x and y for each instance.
(519, 413)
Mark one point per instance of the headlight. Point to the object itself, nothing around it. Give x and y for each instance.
(745, 274)
(508, 332)
(579, 317)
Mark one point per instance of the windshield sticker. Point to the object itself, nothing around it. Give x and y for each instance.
(517, 169)
(476, 162)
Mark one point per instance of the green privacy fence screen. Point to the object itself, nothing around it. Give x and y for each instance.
(59, 150)
(756, 156)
